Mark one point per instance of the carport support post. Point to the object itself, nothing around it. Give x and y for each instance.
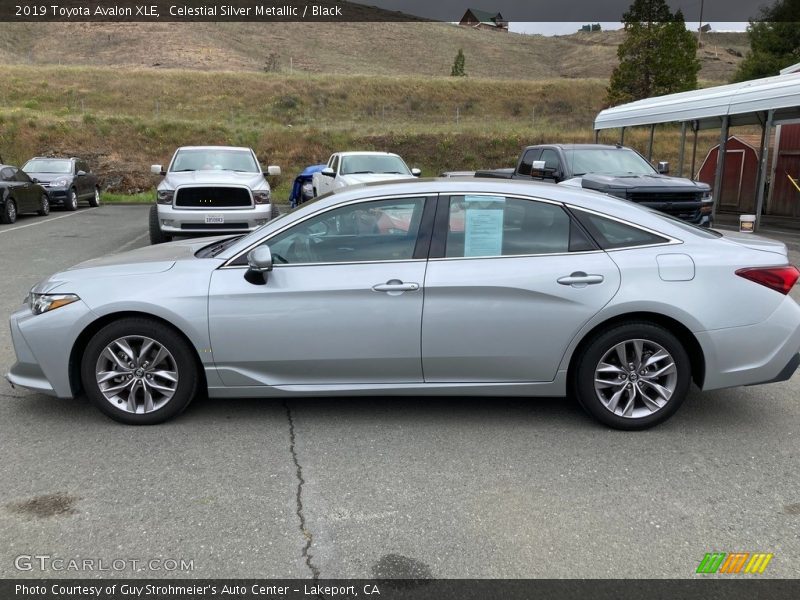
(596, 136)
(723, 148)
(650, 145)
(683, 149)
(762, 166)
(695, 128)
(622, 137)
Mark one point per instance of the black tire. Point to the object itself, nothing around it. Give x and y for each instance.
(275, 211)
(156, 235)
(94, 201)
(44, 206)
(9, 214)
(588, 361)
(71, 203)
(181, 352)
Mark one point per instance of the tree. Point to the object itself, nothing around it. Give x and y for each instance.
(458, 65)
(774, 41)
(658, 55)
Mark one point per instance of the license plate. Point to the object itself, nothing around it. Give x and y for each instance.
(215, 219)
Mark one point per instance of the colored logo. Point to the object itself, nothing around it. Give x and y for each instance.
(734, 562)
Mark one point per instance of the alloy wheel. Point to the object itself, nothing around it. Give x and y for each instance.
(136, 374)
(635, 378)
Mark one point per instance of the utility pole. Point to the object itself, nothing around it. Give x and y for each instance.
(700, 30)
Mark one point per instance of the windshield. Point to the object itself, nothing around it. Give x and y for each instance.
(48, 165)
(607, 161)
(373, 163)
(214, 159)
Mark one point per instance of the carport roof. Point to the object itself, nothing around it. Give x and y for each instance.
(744, 102)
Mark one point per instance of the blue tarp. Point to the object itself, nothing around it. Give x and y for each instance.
(295, 197)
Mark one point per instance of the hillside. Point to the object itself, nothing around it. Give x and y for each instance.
(418, 49)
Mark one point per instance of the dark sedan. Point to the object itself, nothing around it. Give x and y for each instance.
(20, 194)
(67, 180)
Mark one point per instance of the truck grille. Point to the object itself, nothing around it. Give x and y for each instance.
(683, 205)
(213, 197)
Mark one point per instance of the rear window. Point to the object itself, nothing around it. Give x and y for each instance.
(611, 234)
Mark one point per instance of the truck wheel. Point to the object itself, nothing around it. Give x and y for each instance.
(44, 206)
(156, 235)
(72, 201)
(275, 211)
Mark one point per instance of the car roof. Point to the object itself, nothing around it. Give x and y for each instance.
(214, 148)
(366, 153)
(580, 146)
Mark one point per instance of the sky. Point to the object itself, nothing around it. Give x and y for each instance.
(572, 27)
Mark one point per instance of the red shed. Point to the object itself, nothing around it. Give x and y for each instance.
(784, 197)
(741, 172)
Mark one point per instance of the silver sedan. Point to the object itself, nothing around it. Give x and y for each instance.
(429, 287)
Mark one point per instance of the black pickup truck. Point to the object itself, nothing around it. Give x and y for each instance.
(617, 171)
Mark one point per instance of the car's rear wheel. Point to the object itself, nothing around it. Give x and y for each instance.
(139, 372)
(94, 202)
(632, 376)
(44, 206)
(9, 214)
(275, 211)
(72, 201)
(156, 235)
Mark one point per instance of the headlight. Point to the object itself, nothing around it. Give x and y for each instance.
(261, 196)
(63, 182)
(165, 196)
(42, 303)
(308, 188)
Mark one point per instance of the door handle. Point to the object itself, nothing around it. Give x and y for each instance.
(580, 279)
(395, 285)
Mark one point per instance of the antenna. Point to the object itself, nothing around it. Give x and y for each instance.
(700, 30)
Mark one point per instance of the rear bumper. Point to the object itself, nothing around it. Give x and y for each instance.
(766, 352)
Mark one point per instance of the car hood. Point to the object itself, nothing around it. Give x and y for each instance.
(356, 178)
(254, 181)
(595, 181)
(48, 177)
(142, 261)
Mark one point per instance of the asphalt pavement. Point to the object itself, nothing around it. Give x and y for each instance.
(379, 487)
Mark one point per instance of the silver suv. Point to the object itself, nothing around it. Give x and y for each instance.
(211, 189)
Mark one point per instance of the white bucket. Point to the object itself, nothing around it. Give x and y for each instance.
(747, 223)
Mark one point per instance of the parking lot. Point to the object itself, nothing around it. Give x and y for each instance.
(382, 487)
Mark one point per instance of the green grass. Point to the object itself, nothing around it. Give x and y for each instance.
(140, 198)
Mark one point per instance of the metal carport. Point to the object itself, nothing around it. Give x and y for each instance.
(766, 102)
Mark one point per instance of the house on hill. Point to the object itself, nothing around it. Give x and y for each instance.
(481, 19)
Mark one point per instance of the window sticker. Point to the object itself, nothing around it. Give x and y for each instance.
(483, 235)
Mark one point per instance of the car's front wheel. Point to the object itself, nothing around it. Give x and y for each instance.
(44, 206)
(139, 371)
(9, 214)
(94, 201)
(632, 376)
(72, 201)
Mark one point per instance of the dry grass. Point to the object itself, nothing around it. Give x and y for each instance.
(343, 48)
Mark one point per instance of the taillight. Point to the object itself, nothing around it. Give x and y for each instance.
(780, 279)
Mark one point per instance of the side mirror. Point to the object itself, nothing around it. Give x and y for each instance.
(663, 167)
(259, 261)
(273, 170)
(416, 172)
(35, 180)
(328, 172)
(81, 173)
(157, 170)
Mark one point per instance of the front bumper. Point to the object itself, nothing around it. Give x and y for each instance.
(57, 195)
(761, 353)
(43, 344)
(177, 221)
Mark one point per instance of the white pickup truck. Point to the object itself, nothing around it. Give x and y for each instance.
(350, 168)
